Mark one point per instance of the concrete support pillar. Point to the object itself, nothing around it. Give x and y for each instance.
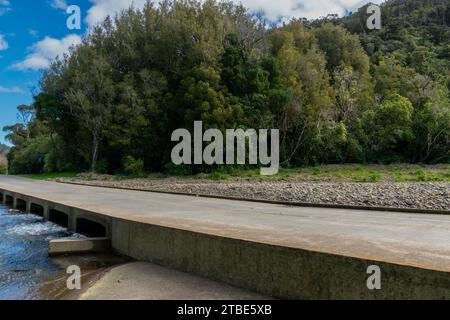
(72, 222)
(46, 212)
(15, 202)
(28, 210)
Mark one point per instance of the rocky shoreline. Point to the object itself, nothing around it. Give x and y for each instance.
(427, 195)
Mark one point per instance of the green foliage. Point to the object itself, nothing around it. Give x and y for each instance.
(52, 176)
(348, 173)
(337, 92)
(30, 158)
(218, 176)
(38, 155)
(102, 166)
(389, 127)
(133, 167)
(341, 48)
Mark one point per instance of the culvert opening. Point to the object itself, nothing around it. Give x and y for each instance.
(90, 228)
(60, 218)
(21, 205)
(9, 200)
(37, 209)
(1, 197)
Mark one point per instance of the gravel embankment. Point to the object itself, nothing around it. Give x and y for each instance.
(434, 196)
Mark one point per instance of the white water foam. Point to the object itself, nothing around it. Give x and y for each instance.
(35, 229)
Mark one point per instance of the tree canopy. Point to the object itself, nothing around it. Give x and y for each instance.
(337, 92)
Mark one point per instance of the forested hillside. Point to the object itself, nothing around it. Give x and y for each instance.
(416, 32)
(338, 92)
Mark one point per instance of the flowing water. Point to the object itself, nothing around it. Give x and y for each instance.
(26, 270)
(24, 262)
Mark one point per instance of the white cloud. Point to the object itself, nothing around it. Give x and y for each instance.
(59, 4)
(44, 51)
(10, 90)
(287, 9)
(273, 10)
(102, 8)
(3, 43)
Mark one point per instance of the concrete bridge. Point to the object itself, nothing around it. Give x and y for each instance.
(279, 251)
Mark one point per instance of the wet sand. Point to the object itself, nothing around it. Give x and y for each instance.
(146, 281)
(93, 267)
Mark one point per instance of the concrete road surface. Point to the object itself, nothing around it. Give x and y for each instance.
(406, 239)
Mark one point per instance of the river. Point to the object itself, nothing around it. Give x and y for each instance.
(26, 270)
(24, 262)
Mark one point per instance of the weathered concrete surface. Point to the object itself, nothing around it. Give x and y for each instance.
(78, 246)
(145, 281)
(281, 251)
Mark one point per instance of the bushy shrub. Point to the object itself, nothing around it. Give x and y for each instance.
(389, 129)
(30, 158)
(39, 155)
(56, 160)
(133, 167)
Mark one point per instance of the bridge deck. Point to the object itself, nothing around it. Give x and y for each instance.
(417, 240)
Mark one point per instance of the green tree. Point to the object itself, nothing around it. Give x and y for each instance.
(389, 127)
(91, 95)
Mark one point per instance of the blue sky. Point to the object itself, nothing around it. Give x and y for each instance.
(34, 32)
(24, 23)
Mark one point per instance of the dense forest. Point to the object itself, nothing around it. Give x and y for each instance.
(338, 93)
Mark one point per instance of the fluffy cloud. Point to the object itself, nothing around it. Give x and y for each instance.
(3, 43)
(10, 90)
(44, 51)
(59, 4)
(102, 8)
(271, 9)
(287, 9)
